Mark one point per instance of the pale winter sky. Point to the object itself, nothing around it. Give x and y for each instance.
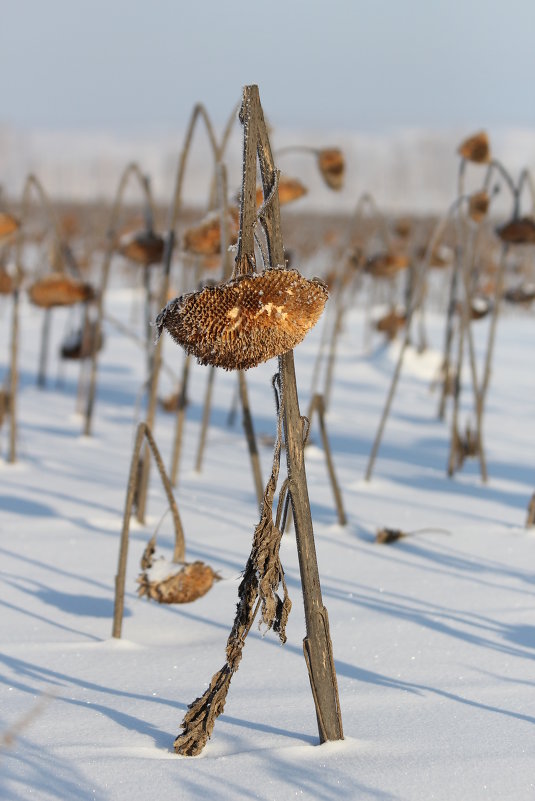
(370, 65)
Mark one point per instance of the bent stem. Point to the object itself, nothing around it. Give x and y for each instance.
(131, 170)
(199, 112)
(143, 432)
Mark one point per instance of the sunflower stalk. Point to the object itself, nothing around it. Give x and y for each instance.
(263, 573)
(317, 641)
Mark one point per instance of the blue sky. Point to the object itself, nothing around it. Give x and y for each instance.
(346, 64)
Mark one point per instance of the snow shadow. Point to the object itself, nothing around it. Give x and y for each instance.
(32, 770)
(25, 672)
(23, 506)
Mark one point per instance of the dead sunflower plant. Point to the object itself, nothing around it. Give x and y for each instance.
(248, 319)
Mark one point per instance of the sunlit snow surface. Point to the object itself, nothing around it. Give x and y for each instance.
(434, 636)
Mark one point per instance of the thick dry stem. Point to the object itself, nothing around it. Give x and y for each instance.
(325, 687)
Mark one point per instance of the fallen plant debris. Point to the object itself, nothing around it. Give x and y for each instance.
(386, 536)
(171, 583)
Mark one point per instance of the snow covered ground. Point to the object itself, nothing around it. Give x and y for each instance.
(433, 636)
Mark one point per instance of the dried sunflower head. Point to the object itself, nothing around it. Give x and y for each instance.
(476, 148)
(332, 166)
(478, 205)
(391, 323)
(385, 536)
(8, 224)
(386, 265)
(169, 583)
(58, 289)
(247, 320)
(205, 239)
(143, 247)
(80, 344)
(290, 189)
(520, 294)
(520, 231)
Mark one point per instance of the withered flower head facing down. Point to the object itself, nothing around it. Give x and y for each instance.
(58, 289)
(142, 247)
(180, 585)
(476, 148)
(247, 320)
(81, 343)
(8, 224)
(478, 206)
(520, 294)
(331, 164)
(386, 265)
(520, 231)
(290, 189)
(205, 239)
(391, 323)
